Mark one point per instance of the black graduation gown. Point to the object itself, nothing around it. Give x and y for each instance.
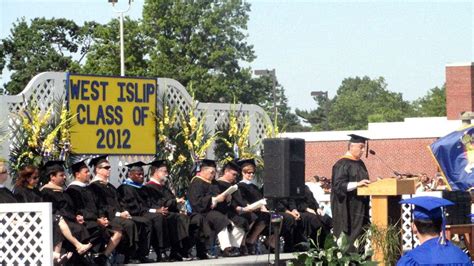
(200, 193)
(229, 208)
(250, 193)
(177, 224)
(61, 204)
(24, 194)
(83, 204)
(132, 200)
(352, 211)
(6, 196)
(106, 200)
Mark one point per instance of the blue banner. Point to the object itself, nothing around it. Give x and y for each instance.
(454, 154)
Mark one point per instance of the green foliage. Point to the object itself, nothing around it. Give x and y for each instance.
(388, 240)
(335, 252)
(103, 57)
(194, 42)
(432, 104)
(42, 45)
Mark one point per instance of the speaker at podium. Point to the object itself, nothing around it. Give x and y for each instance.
(284, 163)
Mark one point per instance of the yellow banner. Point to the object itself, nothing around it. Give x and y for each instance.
(113, 115)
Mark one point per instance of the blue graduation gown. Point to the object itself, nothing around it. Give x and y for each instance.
(433, 253)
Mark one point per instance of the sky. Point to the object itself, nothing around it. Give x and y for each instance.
(314, 45)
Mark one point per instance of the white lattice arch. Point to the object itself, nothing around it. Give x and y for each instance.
(44, 87)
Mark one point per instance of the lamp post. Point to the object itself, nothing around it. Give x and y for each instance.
(324, 95)
(272, 75)
(122, 53)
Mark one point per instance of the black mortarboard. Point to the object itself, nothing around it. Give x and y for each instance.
(158, 162)
(53, 163)
(246, 161)
(232, 165)
(50, 167)
(135, 165)
(429, 209)
(203, 163)
(97, 160)
(359, 139)
(78, 165)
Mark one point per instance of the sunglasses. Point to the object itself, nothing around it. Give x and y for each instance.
(107, 167)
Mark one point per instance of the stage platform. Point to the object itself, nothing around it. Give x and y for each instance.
(245, 260)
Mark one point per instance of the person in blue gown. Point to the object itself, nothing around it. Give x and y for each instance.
(428, 226)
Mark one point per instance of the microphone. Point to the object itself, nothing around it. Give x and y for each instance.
(372, 152)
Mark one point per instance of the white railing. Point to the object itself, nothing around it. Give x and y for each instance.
(26, 234)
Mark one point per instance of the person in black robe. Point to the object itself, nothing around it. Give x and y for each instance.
(106, 199)
(104, 238)
(351, 212)
(250, 193)
(6, 196)
(148, 221)
(73, 232)
(160, 198)
(203, 197)
(25, 189)
(241, 217)
(313, 218)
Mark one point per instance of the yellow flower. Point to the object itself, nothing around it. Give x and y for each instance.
(181, 159)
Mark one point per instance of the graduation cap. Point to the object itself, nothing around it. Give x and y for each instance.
(138, 165)
(97, 160)
(158, 162)
(78, 165)
(50, 167)
(429, 208)
(246, 161)
(198, 165)
(233, 165)
(359, 139)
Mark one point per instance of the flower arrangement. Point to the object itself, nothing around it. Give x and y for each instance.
(182, 139)
(234, 141)
(40, 136)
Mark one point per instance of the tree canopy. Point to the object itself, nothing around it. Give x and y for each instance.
(360, 101)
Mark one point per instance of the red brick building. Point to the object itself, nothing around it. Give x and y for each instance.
(401, 146)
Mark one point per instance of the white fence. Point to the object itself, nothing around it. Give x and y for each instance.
(26, 234)
(47, 86)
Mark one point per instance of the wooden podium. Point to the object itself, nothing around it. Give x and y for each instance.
(385, 195)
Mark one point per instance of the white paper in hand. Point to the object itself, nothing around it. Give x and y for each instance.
(230, 190)
(257, 205)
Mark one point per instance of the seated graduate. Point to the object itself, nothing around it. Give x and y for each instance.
(54, 174)
(26, 185)
(104, 238)
(251, 193)
(106, 199)
(241, 217)
(163, 201)
(148, 221)
(203, 197)
(6, 196)
(313, 218)
(428, 225)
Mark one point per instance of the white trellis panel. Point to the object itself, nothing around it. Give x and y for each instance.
(47, 86)
(26, 234)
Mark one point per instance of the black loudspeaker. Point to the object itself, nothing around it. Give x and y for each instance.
(284, 161)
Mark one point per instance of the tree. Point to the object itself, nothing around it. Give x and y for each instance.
(103, 57)
(432, 104)
(363, 100)
(358, 101)
(200, 43)
(42, 45)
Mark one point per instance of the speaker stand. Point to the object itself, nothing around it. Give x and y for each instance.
(275, 220)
